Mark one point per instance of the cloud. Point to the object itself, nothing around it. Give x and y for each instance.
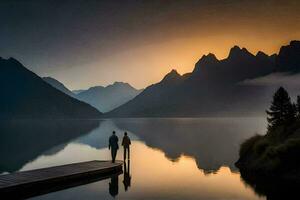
(275, 79)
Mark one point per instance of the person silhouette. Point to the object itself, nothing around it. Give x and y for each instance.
(114, 185)
(126, 143)
(113, 145)
(127, 177)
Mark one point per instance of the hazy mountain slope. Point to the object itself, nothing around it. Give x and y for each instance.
(26, 95)
(58, 85)
(213, 88)
(77, 91)
(110, 97)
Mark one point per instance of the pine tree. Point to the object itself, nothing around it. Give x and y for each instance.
(298, 106)
(282, 110)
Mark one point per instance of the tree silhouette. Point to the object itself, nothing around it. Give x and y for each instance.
(282, 110)
(298, 106)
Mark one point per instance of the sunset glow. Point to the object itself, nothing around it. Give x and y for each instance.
(102, 42)
(151, 167)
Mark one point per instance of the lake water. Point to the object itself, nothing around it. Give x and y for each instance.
(176, 158)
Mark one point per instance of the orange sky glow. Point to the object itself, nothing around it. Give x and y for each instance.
(83, 44)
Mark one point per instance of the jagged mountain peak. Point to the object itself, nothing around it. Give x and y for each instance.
(295, 43)
(174, 71)
(205, 61)
(96, 88)
(288, 59)
(14, 61)
(261, 54)
(120, 84)
(172, 75)
(108, 97)
(208, 59)
(293, 46)
(235, 48)
(236, 52)
(11, 60)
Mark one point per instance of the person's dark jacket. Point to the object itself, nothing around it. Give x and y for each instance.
(113, 142)
(126, 141)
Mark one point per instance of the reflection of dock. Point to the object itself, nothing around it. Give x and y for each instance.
(41, 181)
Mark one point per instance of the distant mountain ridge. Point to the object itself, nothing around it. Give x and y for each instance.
(109, 97)
(102, 98)
(213, 88)
(25, 95)
(58, 85)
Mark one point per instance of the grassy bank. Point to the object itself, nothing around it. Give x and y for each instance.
(276, 155)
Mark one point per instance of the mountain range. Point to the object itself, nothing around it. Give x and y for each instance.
(26, 95)
(214, 87)
(107, 98)
(103, 98)
(58, 85)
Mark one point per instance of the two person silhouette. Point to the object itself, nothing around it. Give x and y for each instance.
(114, 146)
(114, 180)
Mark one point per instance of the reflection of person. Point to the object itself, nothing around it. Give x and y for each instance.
(125, 143)
(113, 145)
(114, 185)
(127, 177)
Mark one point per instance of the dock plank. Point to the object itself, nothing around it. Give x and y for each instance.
(40, 181)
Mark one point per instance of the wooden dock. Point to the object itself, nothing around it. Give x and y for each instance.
(25, 184)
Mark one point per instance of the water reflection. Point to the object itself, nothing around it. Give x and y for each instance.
(155, 177)
(199, 147)
(24, 141)
(126, 175)
(273, 189)
(98, 138)
(213, 142)
(114, 180)
(114, 185)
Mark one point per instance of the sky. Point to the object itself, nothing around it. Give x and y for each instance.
(87, 43)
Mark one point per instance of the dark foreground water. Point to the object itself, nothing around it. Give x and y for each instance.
(170, 158)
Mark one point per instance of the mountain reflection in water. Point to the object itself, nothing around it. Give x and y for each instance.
(213, 142)
(170, 158)
(24, 141)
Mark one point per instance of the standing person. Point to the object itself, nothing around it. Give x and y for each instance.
(113, 145)
(125, 143)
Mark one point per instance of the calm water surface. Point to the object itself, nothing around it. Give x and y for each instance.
(170, 158)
